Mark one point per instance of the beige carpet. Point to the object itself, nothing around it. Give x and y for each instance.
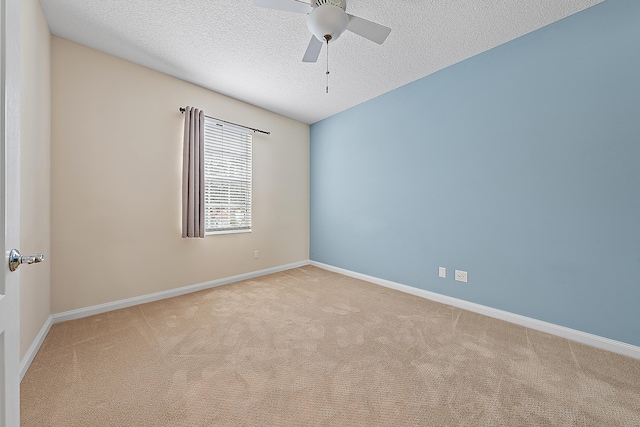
(308, 347)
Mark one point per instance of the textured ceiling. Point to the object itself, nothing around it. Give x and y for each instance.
(255, 54)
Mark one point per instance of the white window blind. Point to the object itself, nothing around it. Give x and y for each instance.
(227, 177)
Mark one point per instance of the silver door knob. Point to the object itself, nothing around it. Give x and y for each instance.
(15, 259)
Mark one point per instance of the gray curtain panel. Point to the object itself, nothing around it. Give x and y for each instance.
(193, 174)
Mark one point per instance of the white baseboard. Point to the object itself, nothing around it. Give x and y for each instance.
(35, 346)
(110, 306)
(142, 299)
(539, 325)
(571, 334)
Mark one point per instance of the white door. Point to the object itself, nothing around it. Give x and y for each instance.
(9, 212)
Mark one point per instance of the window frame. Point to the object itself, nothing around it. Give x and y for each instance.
(236, 130)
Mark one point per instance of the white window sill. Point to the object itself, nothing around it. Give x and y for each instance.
(212, 233)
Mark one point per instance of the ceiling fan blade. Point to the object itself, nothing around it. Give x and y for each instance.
(313, 50)
(367, 29)
(287, 5)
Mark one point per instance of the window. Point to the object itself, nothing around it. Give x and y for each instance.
(227, 178)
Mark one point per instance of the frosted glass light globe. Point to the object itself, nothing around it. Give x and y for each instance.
(327, 20)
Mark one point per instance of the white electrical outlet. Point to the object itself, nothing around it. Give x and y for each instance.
(461, 276)
(442, 272)
(256, 254)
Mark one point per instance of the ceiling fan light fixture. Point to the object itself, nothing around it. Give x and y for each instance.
(327, 20)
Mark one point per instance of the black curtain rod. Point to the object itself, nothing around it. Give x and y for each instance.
(182, 110)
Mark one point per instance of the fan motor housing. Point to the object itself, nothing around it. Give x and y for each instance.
(342, 4)
(328, 19)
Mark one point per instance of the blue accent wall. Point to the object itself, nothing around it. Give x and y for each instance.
(520, 165)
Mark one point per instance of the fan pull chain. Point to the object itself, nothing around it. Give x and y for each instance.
(327, 65)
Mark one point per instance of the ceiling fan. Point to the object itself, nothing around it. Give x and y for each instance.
(327, 20)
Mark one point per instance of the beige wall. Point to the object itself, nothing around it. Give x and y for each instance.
(35, 165)
(116, 171)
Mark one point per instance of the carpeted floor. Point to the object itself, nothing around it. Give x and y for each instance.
(308, 347)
